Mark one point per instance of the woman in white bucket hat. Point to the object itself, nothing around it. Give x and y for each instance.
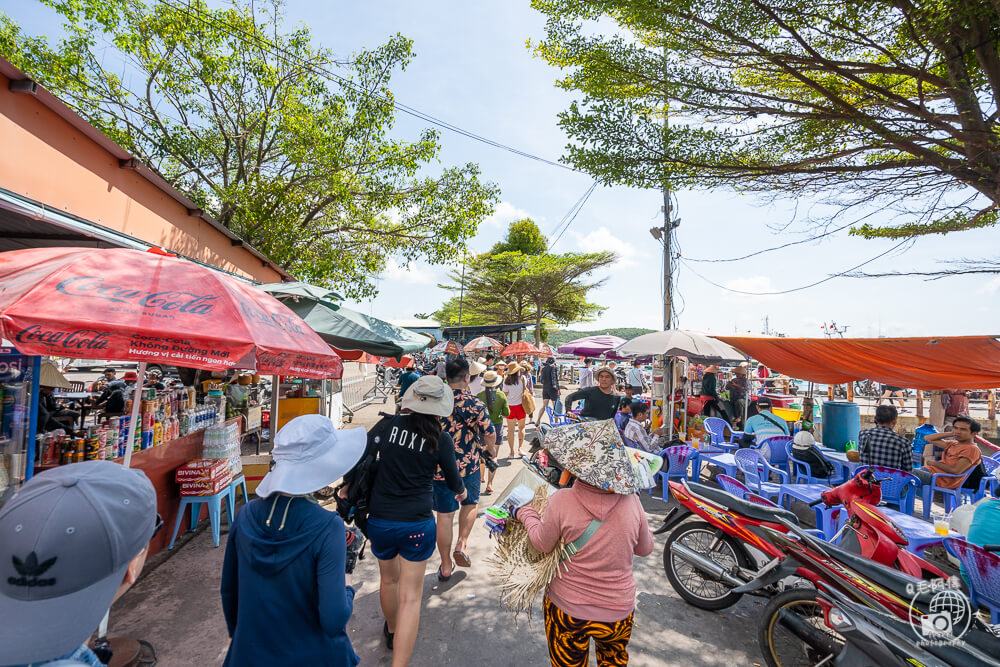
(284, 590)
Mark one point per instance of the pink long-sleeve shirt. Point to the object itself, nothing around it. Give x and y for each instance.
(597, 583)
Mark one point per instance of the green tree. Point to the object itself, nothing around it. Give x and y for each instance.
(522, 236)
(515, 287)
(282, 143)
(893, 103)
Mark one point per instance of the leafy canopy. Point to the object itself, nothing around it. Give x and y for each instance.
(885, 102)
(270, 134)
(511, 286)
(522, 236)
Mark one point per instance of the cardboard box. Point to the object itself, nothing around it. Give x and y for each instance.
(202, 470)
(209, 488)
(254, 469)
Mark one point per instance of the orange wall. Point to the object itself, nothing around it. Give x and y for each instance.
(46, 159)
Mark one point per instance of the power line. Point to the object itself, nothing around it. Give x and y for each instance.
(803, 287)
(579, 207)
(290, 57)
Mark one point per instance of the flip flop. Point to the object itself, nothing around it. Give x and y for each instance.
(441, 577)
(461, 559)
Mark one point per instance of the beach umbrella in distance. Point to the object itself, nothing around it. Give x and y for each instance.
(519, 349)
(483, 343)
(591, 346)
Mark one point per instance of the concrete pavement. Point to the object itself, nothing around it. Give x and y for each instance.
(176, 607)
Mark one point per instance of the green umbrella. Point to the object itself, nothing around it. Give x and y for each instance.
(347, 329)
(295, 290)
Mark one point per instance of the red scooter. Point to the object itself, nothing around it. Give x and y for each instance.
(877, 537)
(709, 565)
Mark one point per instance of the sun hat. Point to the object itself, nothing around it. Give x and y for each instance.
(803, 440)
(475, 368)
(66, 540)
(429, 395)
(491, 379)
(594, 453)
(130, 375)
(603, 369)
(310, 453)
(525, 366)
(51, 377)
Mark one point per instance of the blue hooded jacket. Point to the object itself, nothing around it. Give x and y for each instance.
(283, 586)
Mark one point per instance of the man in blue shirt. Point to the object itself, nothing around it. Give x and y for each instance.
(765, 424)
(406, 379)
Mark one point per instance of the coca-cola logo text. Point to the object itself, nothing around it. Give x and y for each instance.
(79, 339)
(95, 287)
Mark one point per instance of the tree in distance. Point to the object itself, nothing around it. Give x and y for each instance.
(277, 139)
(512, 286)
(881, 103)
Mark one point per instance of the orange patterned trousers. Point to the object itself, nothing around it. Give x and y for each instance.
(569, 639)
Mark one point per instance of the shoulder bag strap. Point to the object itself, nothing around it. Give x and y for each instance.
(773, 422)
(573, 547)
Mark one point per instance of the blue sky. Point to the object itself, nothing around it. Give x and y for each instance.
(472, 69)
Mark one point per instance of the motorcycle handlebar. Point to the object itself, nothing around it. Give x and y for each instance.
(991, 547)
(816, 502)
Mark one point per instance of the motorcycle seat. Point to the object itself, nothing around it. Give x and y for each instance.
(744, 507)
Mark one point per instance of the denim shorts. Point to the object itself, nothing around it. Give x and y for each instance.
(444, 498)
(413, 540)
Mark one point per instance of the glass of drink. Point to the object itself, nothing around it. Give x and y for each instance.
(940, 523)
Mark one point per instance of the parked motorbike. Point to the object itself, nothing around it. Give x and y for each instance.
(858, 613)
(709, 565)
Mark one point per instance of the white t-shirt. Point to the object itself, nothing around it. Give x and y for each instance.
(476, 386)
(514, 392)
(635, 377)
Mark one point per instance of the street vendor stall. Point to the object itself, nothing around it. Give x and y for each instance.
(131, 305)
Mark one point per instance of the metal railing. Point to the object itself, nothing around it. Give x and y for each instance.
(359, 386)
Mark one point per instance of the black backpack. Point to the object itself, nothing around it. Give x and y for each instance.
(361, 479)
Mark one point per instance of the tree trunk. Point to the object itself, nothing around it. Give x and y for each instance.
(538, 328)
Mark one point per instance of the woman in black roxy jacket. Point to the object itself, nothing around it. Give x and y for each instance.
(401, 525)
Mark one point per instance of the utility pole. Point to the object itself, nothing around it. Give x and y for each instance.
(667, 286)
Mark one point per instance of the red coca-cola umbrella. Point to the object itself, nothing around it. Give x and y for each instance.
(140, 306)
(519, 349)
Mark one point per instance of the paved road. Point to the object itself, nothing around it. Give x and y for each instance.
(176, 607)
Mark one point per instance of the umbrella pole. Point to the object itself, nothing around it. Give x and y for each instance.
(275, 386)
(133, 420)
(670, 399)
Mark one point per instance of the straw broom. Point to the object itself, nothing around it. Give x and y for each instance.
(521, 571)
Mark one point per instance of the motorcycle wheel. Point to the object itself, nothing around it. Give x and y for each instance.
(782, 647)
(696, 588)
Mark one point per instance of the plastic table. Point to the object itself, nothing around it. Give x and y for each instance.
(920, 533)
(724, 460)
(826, 517)
(839, 459)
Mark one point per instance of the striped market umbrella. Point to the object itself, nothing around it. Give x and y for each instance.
(446, 347)
(546, 349)
(483, 343)
(519, 349)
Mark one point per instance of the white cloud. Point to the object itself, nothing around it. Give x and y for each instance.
(601, 239)
(757, 286)
(409, 273)
(990, 287)
(505, 213)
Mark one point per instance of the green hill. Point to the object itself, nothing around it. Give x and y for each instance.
(557, 338)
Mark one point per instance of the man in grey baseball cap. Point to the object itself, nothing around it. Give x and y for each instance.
(67, 538)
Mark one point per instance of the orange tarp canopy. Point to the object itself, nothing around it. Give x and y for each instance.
(967, 362)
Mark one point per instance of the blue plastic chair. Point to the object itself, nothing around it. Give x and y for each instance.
(732, 485)
(756, 473)
(239, 483)
(988, 481)
(995, 455)
(675, 464)
(717, 428)
(898, 487)
(981, 570)
(215, 505)
(950, 498)
(778, 447)
(557, 419)
(802, 474)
